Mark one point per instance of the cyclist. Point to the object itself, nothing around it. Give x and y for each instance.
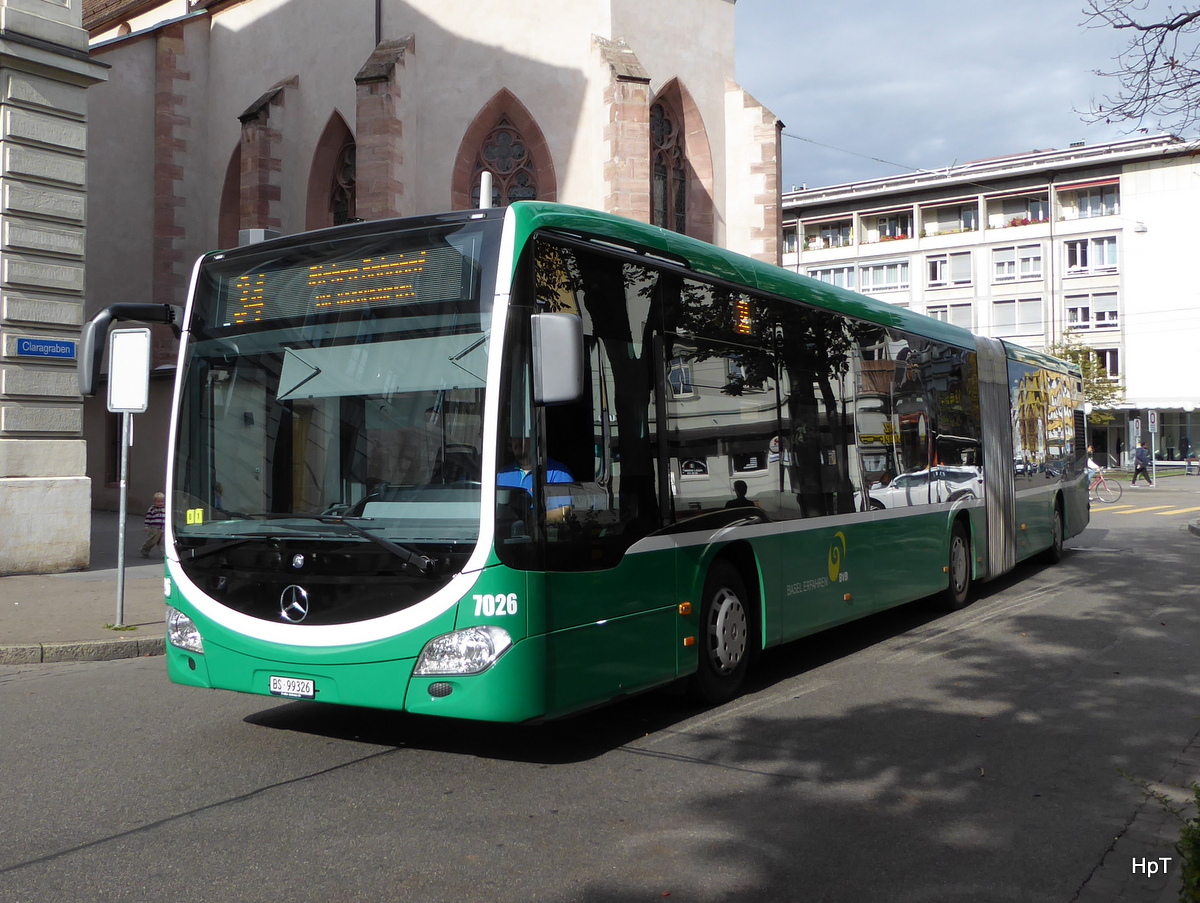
(1093, 469)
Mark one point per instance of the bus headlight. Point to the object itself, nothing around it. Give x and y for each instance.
(182, 632)
(467, 651)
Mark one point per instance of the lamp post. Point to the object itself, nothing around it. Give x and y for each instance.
(1087, 427)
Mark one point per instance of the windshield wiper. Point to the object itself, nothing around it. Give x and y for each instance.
(455, 358)
(316, 371)
(424, 565)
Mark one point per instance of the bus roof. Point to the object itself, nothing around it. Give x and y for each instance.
(717, 263)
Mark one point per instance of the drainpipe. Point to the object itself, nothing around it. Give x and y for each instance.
(1052, 203)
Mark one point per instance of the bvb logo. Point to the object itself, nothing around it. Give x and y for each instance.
(837, 552)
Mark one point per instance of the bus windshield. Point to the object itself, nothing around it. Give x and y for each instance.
(335, 390)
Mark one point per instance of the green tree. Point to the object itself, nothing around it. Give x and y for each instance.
(1103, 391)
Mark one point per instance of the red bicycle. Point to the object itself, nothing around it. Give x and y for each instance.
(1103, 491)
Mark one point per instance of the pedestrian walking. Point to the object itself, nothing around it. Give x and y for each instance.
(1141, 464)
(156, 517)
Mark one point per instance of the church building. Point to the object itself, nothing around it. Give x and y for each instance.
(224, 121)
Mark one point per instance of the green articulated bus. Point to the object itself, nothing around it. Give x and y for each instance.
(511, 464)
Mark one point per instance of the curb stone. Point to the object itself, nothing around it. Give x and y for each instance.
(86, 651)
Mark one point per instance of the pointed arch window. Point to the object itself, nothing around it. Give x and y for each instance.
(668, 169)
(341, 191)
(505, 154)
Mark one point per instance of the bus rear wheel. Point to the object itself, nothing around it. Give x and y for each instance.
(1054, 554)
(959, 587)
(724, 635)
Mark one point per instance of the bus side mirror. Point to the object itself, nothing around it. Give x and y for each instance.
(557, 358)
(94, 337)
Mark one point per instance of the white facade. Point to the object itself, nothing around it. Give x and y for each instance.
(1094, 239)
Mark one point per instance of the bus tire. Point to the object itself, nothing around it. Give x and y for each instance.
(724, 635)
(1054, 554)
(958, 589)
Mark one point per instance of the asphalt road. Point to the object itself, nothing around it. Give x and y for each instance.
(987, 755)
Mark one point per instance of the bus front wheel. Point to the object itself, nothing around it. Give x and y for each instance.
(959, 587)
(724, 635)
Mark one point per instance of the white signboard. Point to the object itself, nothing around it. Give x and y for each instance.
(128, 370)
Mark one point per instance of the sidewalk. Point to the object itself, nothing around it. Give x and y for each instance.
(69, 617)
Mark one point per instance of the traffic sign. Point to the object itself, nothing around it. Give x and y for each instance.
(1136, 426)
(1153, 421)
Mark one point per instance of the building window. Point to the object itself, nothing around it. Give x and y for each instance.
(342, 194)
(954, 314)
(1029, 261)
(1017, 317)
(1004, 264)
(505, 155)
(894, 226)
(1097, 310)
(949, 220)
(668, 169)
(842, 277)
(1020, 210)
(1104, 310)
(1095, 255)
(1077, 256)
(1020, 262)
(818, 236)
(1079, 312)
(1104, 254)
(878, 277)
(949, 269)
(679, 375)
(1090, 201)
(789, 240)
(1110, 360)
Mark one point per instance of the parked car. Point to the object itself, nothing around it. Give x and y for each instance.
(925, 487)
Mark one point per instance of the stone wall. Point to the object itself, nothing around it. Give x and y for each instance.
(45, 495)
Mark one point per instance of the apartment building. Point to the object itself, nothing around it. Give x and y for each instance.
(1099, 240)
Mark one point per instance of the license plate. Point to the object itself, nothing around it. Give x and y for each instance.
(293, 686)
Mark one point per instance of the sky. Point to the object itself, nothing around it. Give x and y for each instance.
(924, 84)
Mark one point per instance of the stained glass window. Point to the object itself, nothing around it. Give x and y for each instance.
(341, 196)
(668, 170)
(505, 155)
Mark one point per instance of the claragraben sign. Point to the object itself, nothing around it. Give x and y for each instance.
(53, 348)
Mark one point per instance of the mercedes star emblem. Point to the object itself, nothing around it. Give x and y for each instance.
(293, 604)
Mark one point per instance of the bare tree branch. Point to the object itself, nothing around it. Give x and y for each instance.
(1158, 71)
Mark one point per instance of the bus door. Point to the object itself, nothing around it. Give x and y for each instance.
(611, 616)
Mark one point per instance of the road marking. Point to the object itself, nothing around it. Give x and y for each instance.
(1144, 510)
(1110, 508)
(1178, 511)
